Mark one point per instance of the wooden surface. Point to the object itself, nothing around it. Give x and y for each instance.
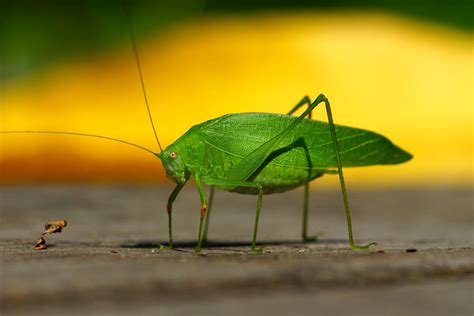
(107, 262)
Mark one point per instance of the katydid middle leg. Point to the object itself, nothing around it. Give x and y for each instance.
(304, 232)
(203, 198)
(208, 214)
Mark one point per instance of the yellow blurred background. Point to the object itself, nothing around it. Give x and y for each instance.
(409, 80)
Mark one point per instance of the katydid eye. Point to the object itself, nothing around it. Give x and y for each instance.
(173, 154)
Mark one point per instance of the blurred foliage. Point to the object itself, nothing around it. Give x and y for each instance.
(457, 13)
(35, 34)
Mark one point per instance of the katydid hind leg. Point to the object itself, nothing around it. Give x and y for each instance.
(305, 101)
(231, 183)
(341, 179)
(250, 163)
(208, 214)
(304, 233)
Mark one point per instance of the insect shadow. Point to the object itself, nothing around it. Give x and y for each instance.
(226, 244)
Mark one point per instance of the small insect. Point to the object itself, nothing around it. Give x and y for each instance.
(263, 153)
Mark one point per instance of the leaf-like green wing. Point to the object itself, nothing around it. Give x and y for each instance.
(237, 135)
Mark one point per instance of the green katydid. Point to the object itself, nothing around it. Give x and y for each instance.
(264, 153)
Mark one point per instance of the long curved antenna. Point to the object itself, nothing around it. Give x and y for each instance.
(81, 134)
(137, 59)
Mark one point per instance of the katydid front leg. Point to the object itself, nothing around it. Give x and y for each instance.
(169, 208)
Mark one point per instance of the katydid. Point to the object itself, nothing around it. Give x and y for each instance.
(264, 153)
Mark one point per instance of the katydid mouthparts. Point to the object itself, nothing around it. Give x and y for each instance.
(263, 153)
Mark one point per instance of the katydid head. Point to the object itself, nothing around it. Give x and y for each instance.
(173, 163)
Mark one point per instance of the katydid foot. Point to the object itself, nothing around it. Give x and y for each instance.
(198, 252)
(166, 247)
(310, 238)
(364, 247)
